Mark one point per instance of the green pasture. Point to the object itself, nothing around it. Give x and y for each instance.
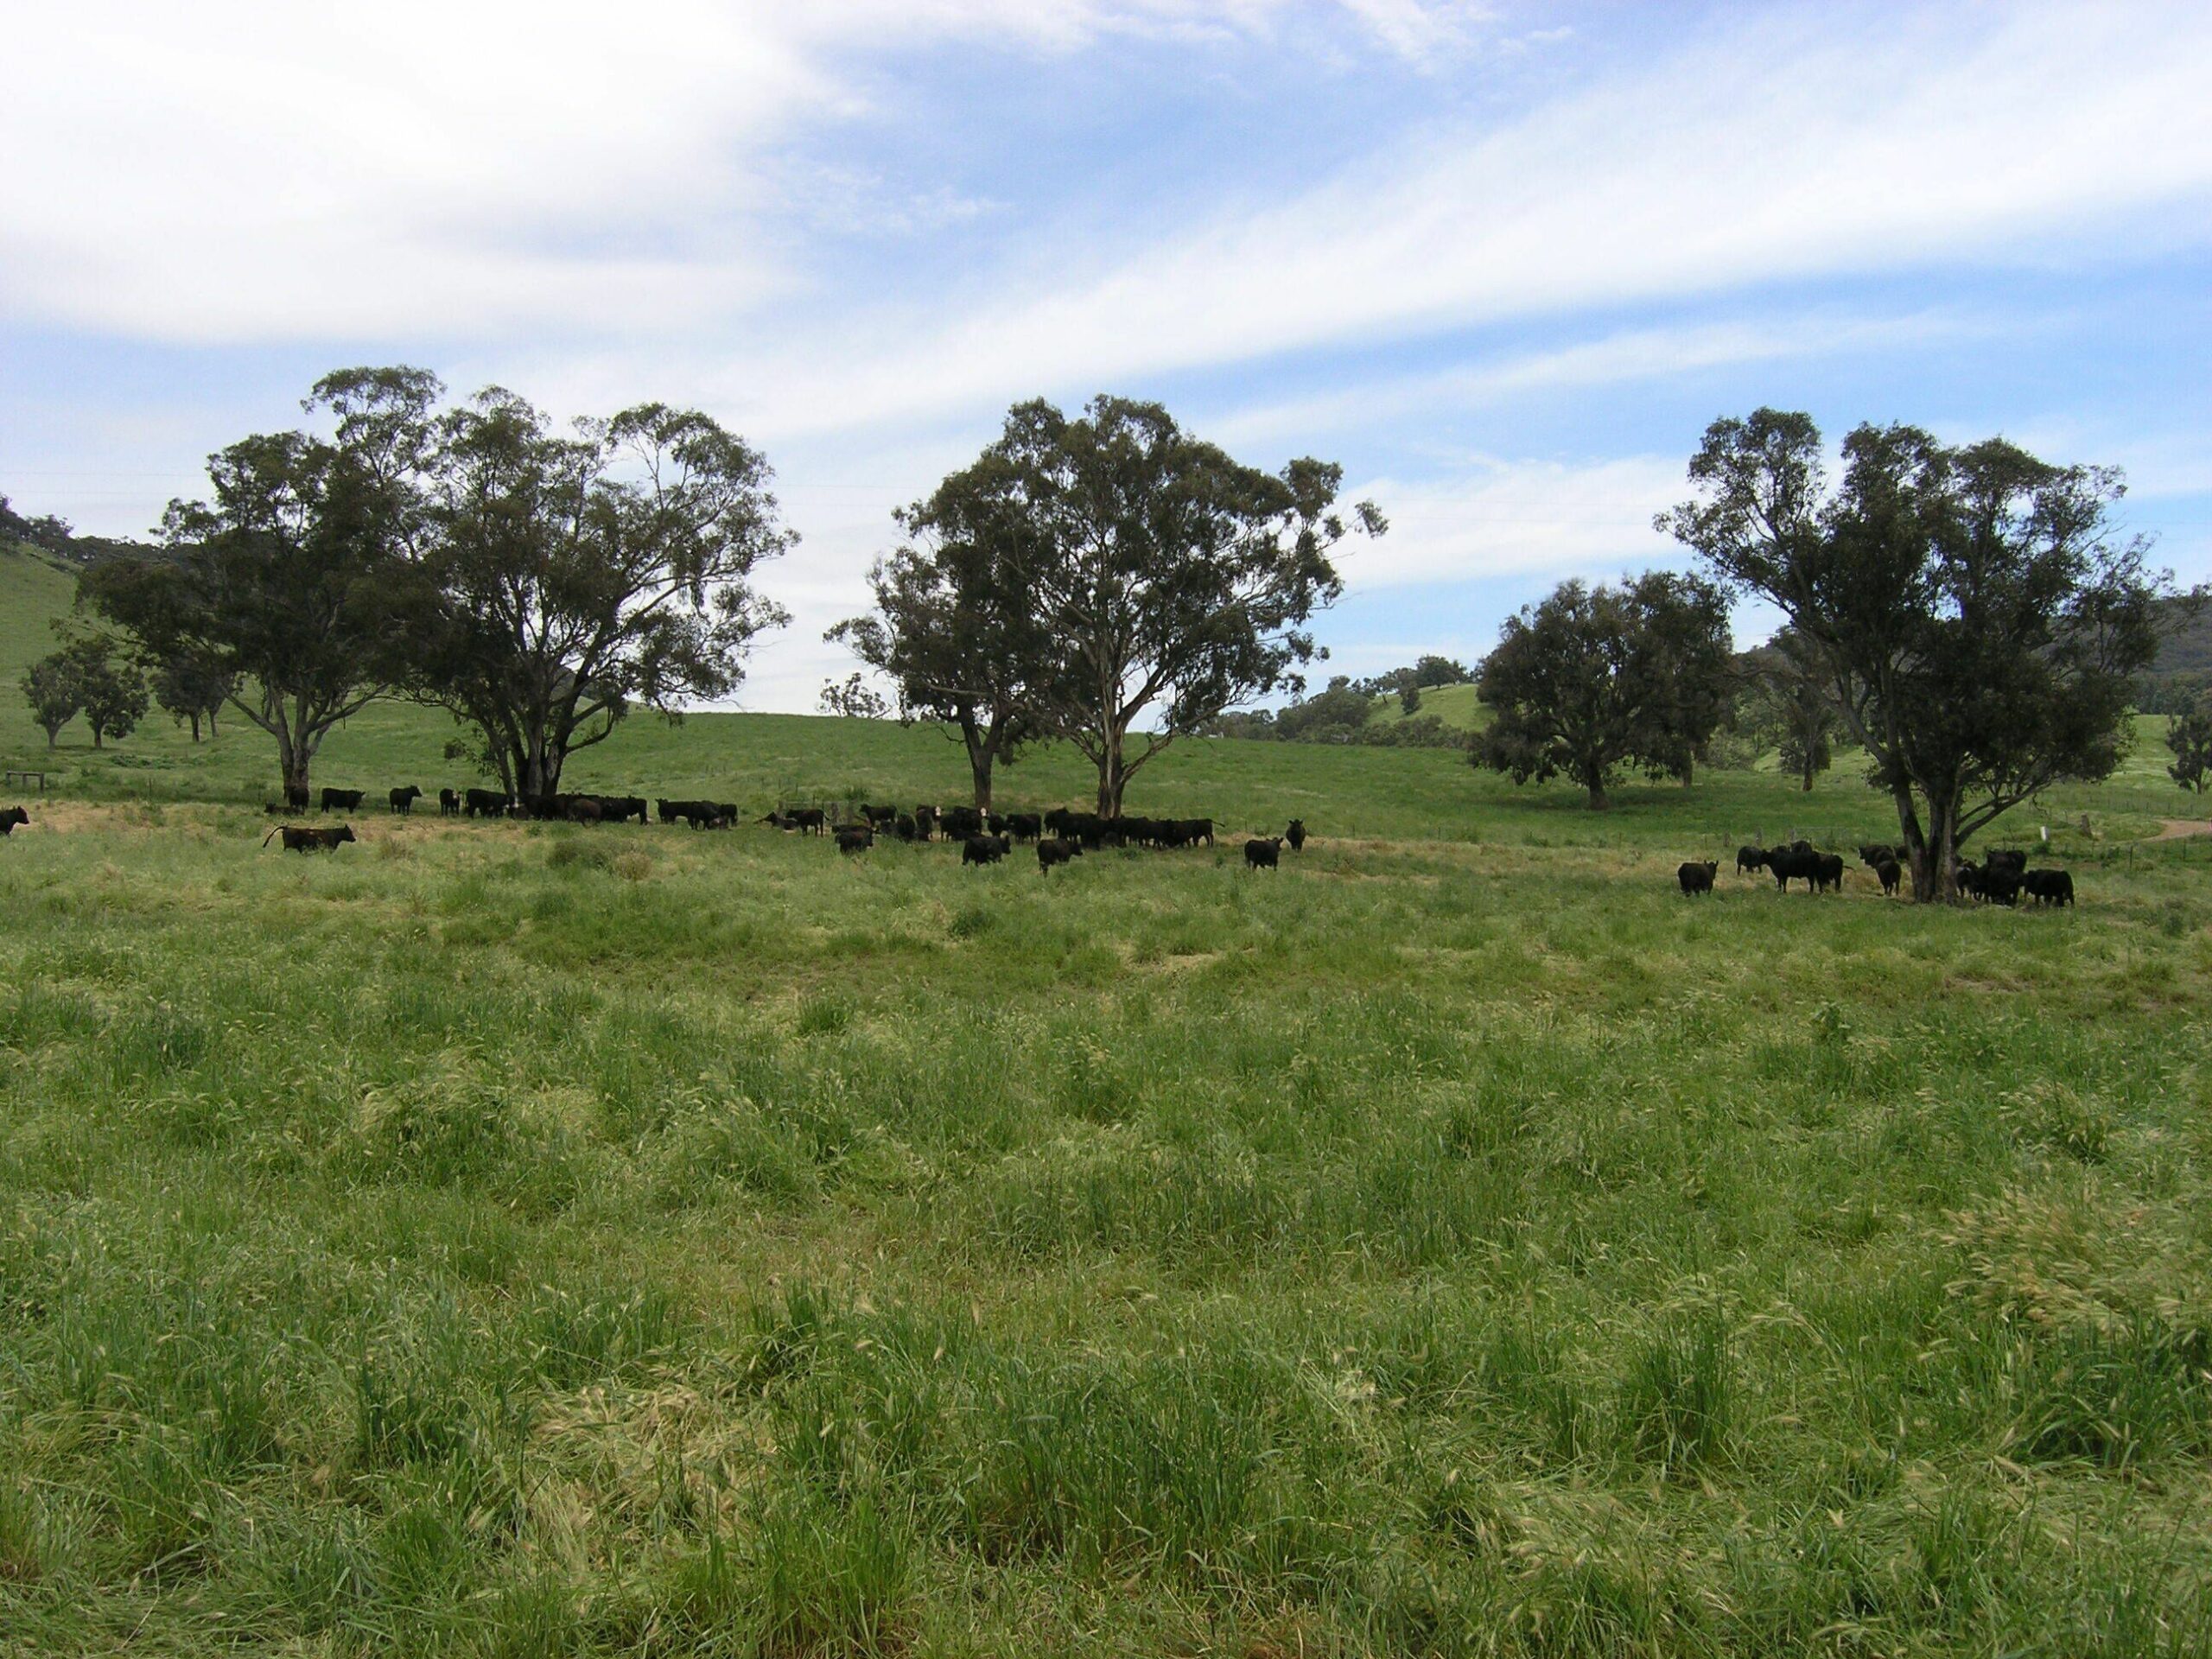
(506, 1239)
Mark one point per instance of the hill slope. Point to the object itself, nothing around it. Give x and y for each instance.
(35, 589)
(1457, 706)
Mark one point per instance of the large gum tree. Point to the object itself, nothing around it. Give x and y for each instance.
(1972, 612)
(1169, 582)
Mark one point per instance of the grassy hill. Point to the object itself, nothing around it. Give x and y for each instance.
(1455, 705)
(35, 589)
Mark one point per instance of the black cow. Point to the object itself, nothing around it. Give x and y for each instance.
(1198, 829)
(1053, 850)
(855, 837)
(907, 828)
(485, 803)
(1088, 828)
(308, 839)
(926, 823)
(2048, 887)
(1056, 822)
(621, 808)
(1296, 835)
(1262, 852)
(11, 817)
(1024, 826)
(812, 820)
(403, 800)
(960, 822)
(1789, 864)
(1698, 878)
(295, 796)
(2006, 858)
(449, 804)
(342, 800)
(984, 849)
(1889, 872)
(1749, 858)
(880, 818)
(1873, 856)
(1827, 872)
(1991, 885)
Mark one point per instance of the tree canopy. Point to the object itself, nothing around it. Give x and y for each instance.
(1969, 609)
(291, 579)
(2189, 738)
(1169, 582)
(1594, 679)
(575, 576)
(955, 628)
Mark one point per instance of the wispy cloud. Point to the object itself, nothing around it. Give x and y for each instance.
(1788, 150)
(1492, 517)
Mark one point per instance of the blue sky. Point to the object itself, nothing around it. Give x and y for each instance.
(1503, 262)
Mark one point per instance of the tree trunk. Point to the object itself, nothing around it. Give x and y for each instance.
(1598, 801)
(195, 725)
(96, 734)
(211, 725)
(53, 733)
(1110, 777)
(979, 770)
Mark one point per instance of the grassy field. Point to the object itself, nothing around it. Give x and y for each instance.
(1457, 706)
(514, 1239)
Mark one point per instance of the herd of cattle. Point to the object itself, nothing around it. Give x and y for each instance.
(1999, 879)
(1060, 834)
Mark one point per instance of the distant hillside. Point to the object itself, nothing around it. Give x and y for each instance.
(35, 589)
(1455, 705)
(2188, 650)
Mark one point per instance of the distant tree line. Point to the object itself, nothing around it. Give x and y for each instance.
(1345, 711)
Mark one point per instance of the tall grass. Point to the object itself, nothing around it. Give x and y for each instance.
(1442, 1246)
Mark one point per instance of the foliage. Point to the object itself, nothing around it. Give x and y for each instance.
(2190, 737)
(52, 687)
(1169, 581)
(113, 687)
(1337, 713)
(191, 689)
(571, 576)
(1968, 609)
(291, 581)
(1787, 702)
(854, 698)
(1592, 680)
(955, 627)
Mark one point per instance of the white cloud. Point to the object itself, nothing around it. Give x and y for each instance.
(1610, 360)
(254, 171)
(1495, 518)
(1786, 149)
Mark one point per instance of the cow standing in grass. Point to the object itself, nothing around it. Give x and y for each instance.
(11, 817)
(1296, 835)
(306, 838)
(1262, 852)
(1697, 877)
(403, 800)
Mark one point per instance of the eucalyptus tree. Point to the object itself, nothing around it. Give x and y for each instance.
(294, 580)
(1590, 680)
(577, 575)
(956, 628)
(1167, 581)
(1970, 608)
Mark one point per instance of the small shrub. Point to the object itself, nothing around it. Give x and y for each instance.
(575, 852)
